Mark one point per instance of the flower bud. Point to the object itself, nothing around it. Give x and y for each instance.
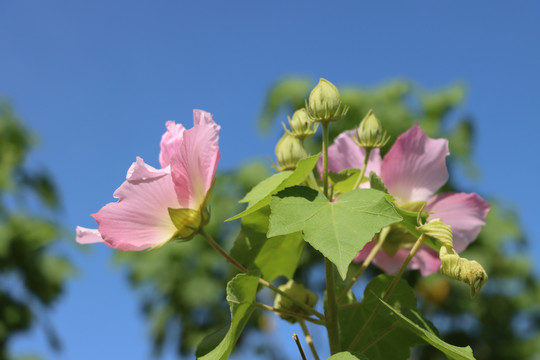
(370, 133)
(324, 103)
(289, 150)
(301, 125)
(297, 292)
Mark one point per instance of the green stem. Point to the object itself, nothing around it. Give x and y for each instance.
(309, 339)
(363, 171)
(220, 250)
(331, 303)
(331, 308)
(365, 264)
(300, 317)
(240, 267)
(325, 127)
(395, 280)
(296, 302)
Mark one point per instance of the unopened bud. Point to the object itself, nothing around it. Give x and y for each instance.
(297, 292)
(301, 125)
(370, 133)
(324, 103)
(289, 150)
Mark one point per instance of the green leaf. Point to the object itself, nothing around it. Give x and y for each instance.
(261, 194)
(340, 229)
(345, 180)
(375, 182)
(383, 338)
(426, 334)
(255, 251)
(345, 355)
(241, 291)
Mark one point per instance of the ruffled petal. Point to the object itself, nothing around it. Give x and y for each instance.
(466, 213)
(346, 154)
(88, 236)
(415, 167)
(194, 164)
(140, 219)
(170, 142)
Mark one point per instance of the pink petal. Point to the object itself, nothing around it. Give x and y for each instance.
(466, 213)
(194, 164)
(345, 154)
(426, 260)
(88, 236)
(140, 219)
(415, 167)
(170, 141)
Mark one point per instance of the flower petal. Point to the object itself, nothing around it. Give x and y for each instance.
(466, 213)
(415, 167)
(194, 164)
(426, 259)
(140, 219)
(88, 236)
(170, 141)
(346, 154)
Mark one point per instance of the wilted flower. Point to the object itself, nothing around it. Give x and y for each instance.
(158, 205)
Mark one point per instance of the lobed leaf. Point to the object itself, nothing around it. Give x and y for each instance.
(261, 194)
(340, 229)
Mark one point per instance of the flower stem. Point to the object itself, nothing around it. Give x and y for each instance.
(300, 317)
(331, 308)
(296, 302)
(240, 267)
(365, 264)
(363, 171)
(331, 303)
(325, 127)
(220, 250)
(309, 339)
(395, 280)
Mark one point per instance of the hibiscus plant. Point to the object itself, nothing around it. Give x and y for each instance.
(346, 201)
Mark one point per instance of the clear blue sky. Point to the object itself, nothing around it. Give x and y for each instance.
(98, 79)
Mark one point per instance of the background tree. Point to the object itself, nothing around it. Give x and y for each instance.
(502, 323)
(32, 273)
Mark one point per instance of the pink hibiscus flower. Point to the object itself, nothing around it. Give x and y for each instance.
(140, 219)
(413, 170)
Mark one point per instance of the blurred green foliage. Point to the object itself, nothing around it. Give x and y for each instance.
(32, 275)
(182, 286)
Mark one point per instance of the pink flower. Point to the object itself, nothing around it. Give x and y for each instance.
(413, 170)
(140, 219)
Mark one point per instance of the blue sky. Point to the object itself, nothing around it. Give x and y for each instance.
(97, 80)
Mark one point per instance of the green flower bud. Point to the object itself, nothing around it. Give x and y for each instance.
(301, 125)
(324, 103)
(297, 292)
(289, 150)
(370, 133)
